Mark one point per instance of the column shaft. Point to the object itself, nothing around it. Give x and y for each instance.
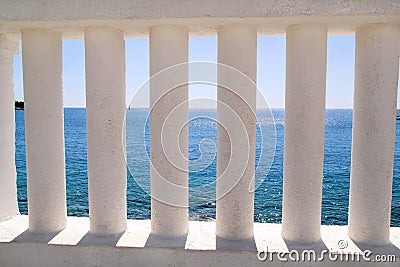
(169, 212)
(8, 176)
(105, 115)
(306, 47)
(374, 125)
(237, 48)
(44, 129)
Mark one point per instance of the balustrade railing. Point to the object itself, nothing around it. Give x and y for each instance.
(376, 81)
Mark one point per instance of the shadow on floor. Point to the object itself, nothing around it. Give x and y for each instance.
(91, 239)
(389, 249)
(240, 245)
(155, 241)
(318, 246)
(29, 237)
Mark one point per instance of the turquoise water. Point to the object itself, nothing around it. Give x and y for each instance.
(268, 196)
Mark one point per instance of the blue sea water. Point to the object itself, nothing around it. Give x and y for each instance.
(268, 196)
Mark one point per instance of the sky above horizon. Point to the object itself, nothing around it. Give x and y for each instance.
(271, 62)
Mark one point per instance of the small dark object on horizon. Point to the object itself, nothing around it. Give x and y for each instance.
(19, 105)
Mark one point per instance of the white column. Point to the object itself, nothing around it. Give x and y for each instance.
(374, 125)
(306, 47)
(169, 212)
(237, 48)
(105, 114)
(44, 129)
(8, 175)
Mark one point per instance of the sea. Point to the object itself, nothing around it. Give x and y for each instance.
(202, 140)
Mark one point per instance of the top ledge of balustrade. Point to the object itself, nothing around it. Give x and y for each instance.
(202, 18)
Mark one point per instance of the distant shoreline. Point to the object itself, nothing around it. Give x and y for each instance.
(19, 105)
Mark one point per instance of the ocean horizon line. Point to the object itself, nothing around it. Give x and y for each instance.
(196, 108)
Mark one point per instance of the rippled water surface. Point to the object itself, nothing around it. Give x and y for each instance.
(202, 129)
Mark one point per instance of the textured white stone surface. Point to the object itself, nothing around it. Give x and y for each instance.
(44, 129)
(74, 246)
(168, 114)
(306, 47)
(237, 48)
(105, 115)
(374, 126)
(8, 175)
(135, 17)
(87, 9)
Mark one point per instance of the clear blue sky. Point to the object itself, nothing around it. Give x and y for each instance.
(270, 74)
